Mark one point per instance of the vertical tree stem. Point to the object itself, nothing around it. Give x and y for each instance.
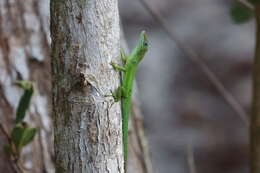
(255, 117)
(87, 130)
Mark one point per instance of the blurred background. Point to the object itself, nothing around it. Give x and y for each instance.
(194, 83)
(185, 116)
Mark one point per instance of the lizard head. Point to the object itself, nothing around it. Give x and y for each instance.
(141, 47)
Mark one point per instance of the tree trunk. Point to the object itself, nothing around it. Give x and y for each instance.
(255, 119)
(87, 125)
(24, 50)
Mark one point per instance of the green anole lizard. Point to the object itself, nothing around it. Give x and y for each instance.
(124, 92)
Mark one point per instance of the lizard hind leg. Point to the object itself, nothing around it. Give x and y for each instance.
(118, 93)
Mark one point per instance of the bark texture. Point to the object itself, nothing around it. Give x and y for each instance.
(87, 126)
(24, 47)
(255, 118)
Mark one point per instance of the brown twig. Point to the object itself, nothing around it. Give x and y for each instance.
(14, 159)
(18, 166)
(140, 137)
(247, 4)
(5, 133)
(255, 115)
(190, 158)
(202, 65)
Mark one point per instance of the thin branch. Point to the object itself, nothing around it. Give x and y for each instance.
(202, 65)
(255, 114)
(138, 127)
(13, 158)
(5, 133)
(247, 4)
(190, 158)
(18, 166)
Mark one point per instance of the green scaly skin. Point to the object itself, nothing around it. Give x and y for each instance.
(124, 92)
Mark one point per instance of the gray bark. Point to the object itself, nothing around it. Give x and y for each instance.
(87, 126)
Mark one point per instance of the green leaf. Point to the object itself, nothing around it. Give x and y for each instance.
(17, 135)
(24, 84)
(240, 13)
(22, 136)
(8, 150)
(28, 136)
(253, 1)
(24, 101)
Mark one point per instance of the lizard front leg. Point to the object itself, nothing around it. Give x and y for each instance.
(118, 67)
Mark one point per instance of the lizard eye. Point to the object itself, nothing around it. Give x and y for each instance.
(145, 44)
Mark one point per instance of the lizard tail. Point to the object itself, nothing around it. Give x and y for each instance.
(125, 118)
(125, 141)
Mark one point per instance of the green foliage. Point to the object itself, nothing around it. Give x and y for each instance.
(28, 136)
(8, 149)
(24, 101)
(16, 135)
(240, 13)
(253, 1)
(21, 136)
